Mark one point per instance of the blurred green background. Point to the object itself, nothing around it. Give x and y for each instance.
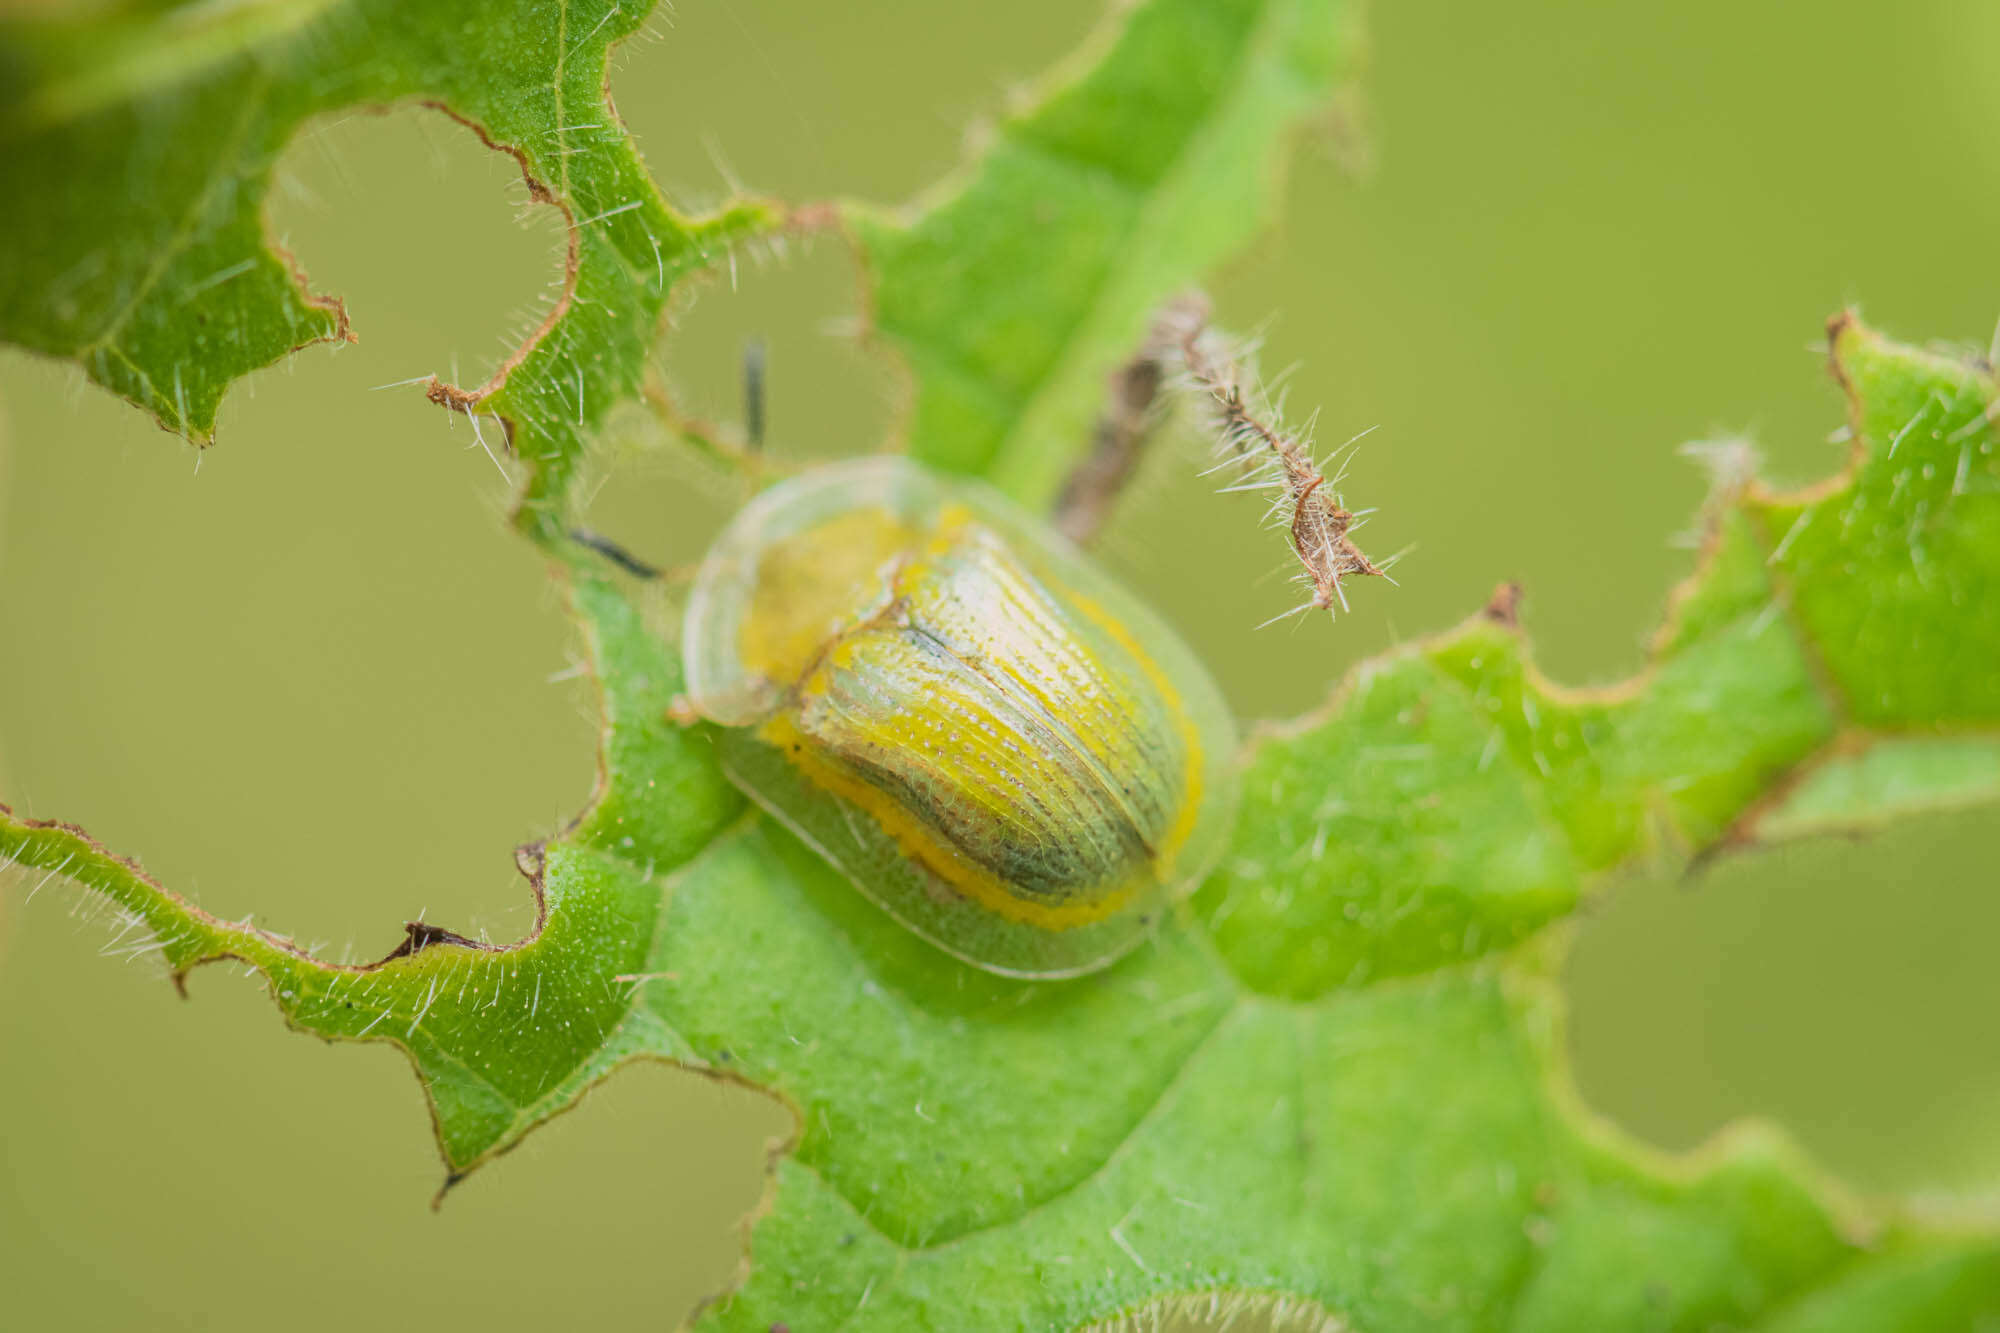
(308, 675)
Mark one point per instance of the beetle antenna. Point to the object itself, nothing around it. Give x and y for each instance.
(753, 394)
(615, 553)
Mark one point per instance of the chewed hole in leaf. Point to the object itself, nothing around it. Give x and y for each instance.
(326, 699)
(672, 1165)
(342, 650)
(1839, 987)
(444, 261)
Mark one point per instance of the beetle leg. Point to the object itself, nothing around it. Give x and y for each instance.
(753, 395)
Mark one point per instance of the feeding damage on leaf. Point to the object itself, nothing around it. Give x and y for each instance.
(502, 1036)
(1452, 800)
(72, 854)
(1449, 805)
(167, 289)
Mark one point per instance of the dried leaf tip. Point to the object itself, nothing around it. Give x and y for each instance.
(1266, 456)
(1503, 608)
(1730, 462)
(1732, 465)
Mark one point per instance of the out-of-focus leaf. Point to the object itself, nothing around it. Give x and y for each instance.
(1016, 289)
(136, 150)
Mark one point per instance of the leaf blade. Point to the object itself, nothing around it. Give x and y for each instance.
(146, 262)
(1013, 295)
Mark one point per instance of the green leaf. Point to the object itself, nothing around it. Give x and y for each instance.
(502, 1038)
(136, 151)
(1337, 1076)
(1335, 1079)
(1015, 292)
(1886, 577)
(1884, 781)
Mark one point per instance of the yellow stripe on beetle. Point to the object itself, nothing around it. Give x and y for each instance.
(991, 740)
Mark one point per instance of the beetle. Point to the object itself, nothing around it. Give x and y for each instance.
(990, 738)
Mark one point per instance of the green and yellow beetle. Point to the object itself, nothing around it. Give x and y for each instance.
(991, 739)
